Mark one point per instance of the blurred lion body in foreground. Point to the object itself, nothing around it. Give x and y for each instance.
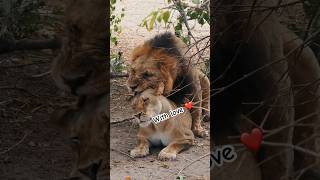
(264, 74)
(82, 69)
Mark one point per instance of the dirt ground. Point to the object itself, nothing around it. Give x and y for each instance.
(194, 161)
(30, 147)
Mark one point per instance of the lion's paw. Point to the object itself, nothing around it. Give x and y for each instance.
(139, 152)
(164, 155)
(201, 133)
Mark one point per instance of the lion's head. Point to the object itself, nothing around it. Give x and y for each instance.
(149, 102)
(86, 128)
(84, 73)
(85, 31)
(155, 62)
(160, 61)
(81, 67)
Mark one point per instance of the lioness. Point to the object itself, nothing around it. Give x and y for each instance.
(163, 60)
(174, 133)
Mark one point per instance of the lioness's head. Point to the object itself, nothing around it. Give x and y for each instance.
(86, 129)
(155, 62)
(148, 103)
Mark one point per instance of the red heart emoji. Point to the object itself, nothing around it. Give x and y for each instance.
(188, 105)
(253, 140)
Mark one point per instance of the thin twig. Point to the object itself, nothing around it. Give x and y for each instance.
(121, 152)
(13, 146)
(41, 74)
(192, 163)
(298, 148)
(122, 121)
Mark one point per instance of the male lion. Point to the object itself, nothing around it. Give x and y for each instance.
(174, 133)
(162, 61)
(81, 66)
(264, 74)
(82, 69)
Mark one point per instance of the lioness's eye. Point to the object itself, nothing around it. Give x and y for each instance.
(146, 100)
(146, 75)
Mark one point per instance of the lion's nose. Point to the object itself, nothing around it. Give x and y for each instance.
(133, 87)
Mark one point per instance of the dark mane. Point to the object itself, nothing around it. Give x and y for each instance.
(165, 42)
(183, 86)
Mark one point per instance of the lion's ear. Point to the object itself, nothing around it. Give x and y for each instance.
(139, 51)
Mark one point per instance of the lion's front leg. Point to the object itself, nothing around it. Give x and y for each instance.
(196, 112)
(142, 148)
(170, 152)
(205, 103)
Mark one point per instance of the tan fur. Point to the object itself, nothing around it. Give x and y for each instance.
(86, 128)
(163, 69)
(83, 54)
(82, 69)
(174, 133)
(84, 73)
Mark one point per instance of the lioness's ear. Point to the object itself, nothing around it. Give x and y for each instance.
(139, 51)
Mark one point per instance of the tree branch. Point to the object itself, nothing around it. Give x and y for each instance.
(28, 44)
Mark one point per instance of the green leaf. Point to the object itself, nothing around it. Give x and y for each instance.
(159, 19)
(114, 40)
(206, 16)
(186, 40)
(201, 21)
(196, 1)
(153, 20)
(194, 15)
(178, 27)
(165, 16)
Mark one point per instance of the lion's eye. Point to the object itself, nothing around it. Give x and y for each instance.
(146, 75)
